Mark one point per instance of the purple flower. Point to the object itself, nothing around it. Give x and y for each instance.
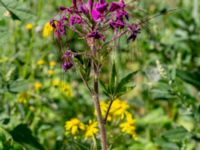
(117, 5)
(74, 3)
(120, 14)
(59, 26)
(84, 9)
(75, 19)
(96, 35)
(67, 60)
(62, 8)
(96, 15)
(117, 24)
(101, 6)
(53, 23)
(91, 3)
(134, 29)
(98, 10)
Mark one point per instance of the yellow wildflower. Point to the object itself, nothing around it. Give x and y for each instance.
(52, 63)
(66, 89)
(29, 26)
(129, 126)
(23, 98)
(40, 62)
(38, 86)
(47, 30)
(73, 126)
(119, 108)
(91, 129)
(51, 72)
(56, 82)
(104, 107)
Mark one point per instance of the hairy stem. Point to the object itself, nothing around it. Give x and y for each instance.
(100, 120)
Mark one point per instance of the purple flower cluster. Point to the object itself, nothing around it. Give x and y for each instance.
(67, 60)
(92, 19)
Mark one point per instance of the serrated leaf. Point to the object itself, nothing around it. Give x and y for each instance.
(124, 81)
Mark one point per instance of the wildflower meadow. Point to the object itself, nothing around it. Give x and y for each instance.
(100, 75)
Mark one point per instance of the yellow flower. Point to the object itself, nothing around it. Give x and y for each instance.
(23, 98)
(29, 26)
(38, 86)
(119, 108)
(40, 62)
(129, 126)
(47, 30)
(73, 126)
(56, 82)
(66, 89)
(51, 72)
(91, 129)
(52, 63)
(104, 107)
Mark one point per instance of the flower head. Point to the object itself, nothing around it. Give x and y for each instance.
(134, 30)
(129, 126)
(47, 30)
(29, 26)
(38, 85)
(52, 63)
(96, 35)
(73, 126)
(66, 89)
(119, 108)
(75, 19)
(40, 62)
(67, 60)
(91, 129)
(23, 98)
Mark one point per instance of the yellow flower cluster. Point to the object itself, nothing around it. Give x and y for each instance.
(64, 87)
(118, 109)
(129, 126)
(23, 98)
(47, 30)
(74, 126)
(91, 129)
(52, 64)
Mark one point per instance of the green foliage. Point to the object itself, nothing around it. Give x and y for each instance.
(165, 100)
(116, 88)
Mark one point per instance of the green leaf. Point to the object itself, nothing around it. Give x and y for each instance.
(190, 77)
(22, 134)
(166, 145)
(17, 10)
(124, 81)
(13, 15)
(18, 86)
(113, 79)
(178, 134)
